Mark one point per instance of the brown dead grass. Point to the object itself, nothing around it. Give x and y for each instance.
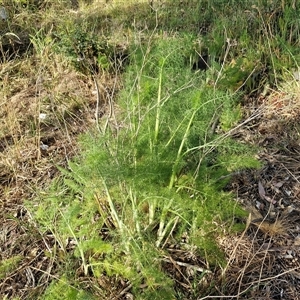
(278, 228)
(258, 270)
(31, 146)
(23, 131)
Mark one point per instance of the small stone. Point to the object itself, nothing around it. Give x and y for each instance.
(42, 116)
(3, 13)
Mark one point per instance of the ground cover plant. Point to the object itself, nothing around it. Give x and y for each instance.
(142, 205)
(152, 180)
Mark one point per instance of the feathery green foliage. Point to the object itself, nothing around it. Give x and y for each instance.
(61, 289)
(9, 264)
(156, 178)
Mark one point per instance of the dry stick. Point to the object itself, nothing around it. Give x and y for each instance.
(176, 264)
(206, 64)
(97, 116)
(97, 104)
(224, 297)
(263, 262)
(111, 110)
(179, 263)
(233, 130)
(232, 296)
(136, 82)
(111, 104)
(123, 292)
(171, 231)
(293, 175)
(38, 124)
(208, 134)
(30, 276)
(31, 219)
(268, 41)
(245, 80)
(276, 276)
(237, 244)
(224, 60)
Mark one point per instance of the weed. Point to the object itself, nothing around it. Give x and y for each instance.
(8, 265)
(61, 289)
(147, 185)
(86, 50)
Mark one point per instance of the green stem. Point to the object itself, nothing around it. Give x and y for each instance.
(179, 152)
(158, 109)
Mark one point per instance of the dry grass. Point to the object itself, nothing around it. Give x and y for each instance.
(45, 105)
(284, 103)
(43, 108)
(257, 269)
(275, 229)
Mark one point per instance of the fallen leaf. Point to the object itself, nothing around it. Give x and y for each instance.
(279, 184)
(261, 190)
(262, 193)
(269, 199)
(259, 205)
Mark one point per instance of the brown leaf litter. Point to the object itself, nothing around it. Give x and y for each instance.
(263, 263)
